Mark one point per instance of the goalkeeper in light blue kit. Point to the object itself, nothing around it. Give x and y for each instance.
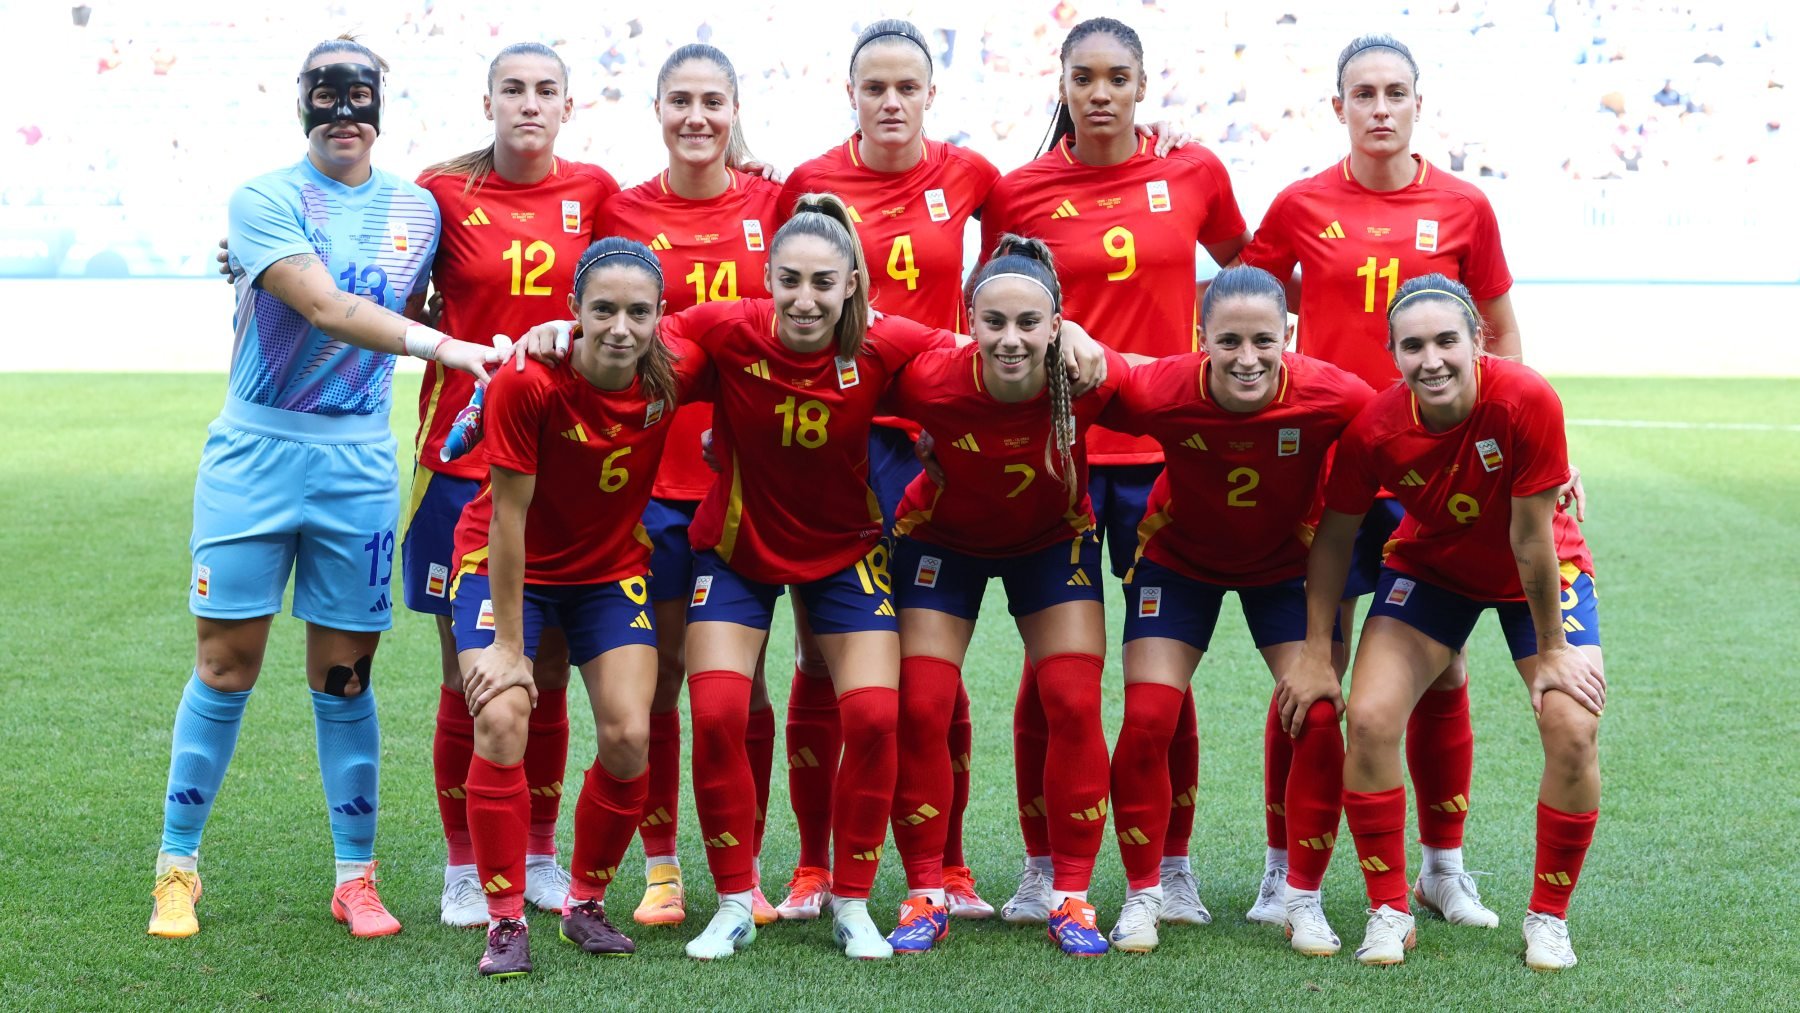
(298, 473)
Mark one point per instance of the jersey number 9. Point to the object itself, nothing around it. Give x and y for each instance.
(1121, 244)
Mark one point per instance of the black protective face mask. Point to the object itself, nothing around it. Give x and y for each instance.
(340, 78)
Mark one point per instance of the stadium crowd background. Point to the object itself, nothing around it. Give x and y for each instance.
(1620, 142)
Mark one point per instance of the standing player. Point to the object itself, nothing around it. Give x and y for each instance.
(553, 540)
(708, 223)
(298, 472)
(1244, 429)
(911, 199)
(1010, 433)
(518, 218)
(1473, 447)
(1123, 225)
(1354, 231)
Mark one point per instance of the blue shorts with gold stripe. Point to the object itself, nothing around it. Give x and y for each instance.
(945, 580)
(1120, 494)
(594, 617)
(1449, 618)
(425, 563)
(856, 599)
(1159, 602)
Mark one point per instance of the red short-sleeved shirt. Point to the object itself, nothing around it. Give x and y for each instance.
(1457, 486)
(791, 433)
(594, 453)
(1238, 489)
(711, 250)
(505, 264)
(1001, 496)
(1124, 239)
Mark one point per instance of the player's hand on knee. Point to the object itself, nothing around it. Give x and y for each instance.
(1305, 682)
(498, 668)
(1569, 670)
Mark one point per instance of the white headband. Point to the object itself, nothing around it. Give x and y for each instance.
(1013, 274)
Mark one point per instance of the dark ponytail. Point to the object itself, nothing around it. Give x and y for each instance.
(1064, 123)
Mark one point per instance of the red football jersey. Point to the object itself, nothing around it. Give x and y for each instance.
(594, 453)
(791, 433)
(1355, 246)
(1458, 486)
(1238, 488)
(710, 250)
(1000, 496)
(910, 223)
(505, 263)
(1124, 238)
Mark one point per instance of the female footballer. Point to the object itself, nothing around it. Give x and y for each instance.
(709, 225)
(553, 540)
(1008, 432)
(1124, 226)
(1244, 429)
(1472, 445)
(1354, 231)
(519, 219)
(298, 474)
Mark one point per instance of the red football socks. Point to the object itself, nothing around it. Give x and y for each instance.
(962, 744)
(924, 788)
(606, 815)
(662, 801)
(1278, 759)
(1069, 689)
(1314, 798)
(1378, 822)
(1031, 744)
(865, 787)
(1140, 779)
(1562, 845)
(814, 740)
(724, 791)
(1184, 779)
(1440, 754)
(499, 812)
(451, 749)
(759, 745)
(546, 760)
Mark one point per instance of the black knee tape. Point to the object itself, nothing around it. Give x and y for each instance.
(337, 677)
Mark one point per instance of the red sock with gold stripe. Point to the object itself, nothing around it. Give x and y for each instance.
(759, 745)
(1378, 822)
(724, 791)
(1440, 754)
(1562, 845)
(865, 788)
(1140, 779)
(962, 743)
(814, 740)
(452, 746)
(1076, 786)
(1278, 759)
(546, 760)
(606, 815)
(499, 813)
(662, 801)
(1315, 796)
(1031, 744)
(1184, 779)
(924, 788)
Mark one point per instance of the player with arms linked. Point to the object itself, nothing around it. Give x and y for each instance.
(1473, 447)
(1124, 226)
(298, 474)
(517, 218)
(554, 540)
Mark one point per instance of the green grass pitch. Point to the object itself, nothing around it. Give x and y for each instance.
(1688, 899)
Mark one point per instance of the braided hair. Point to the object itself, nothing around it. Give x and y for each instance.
(1031, 258)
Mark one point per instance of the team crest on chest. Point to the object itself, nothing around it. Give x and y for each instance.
(397, 237)
(1158, 192)
(936, 206)
(1425, 237)
(847, 375)
(1287, 443)
(653, 413)
(753, 236)
(571, 215)
(1490, 454)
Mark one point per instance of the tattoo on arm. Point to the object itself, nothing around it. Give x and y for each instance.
(300, 261)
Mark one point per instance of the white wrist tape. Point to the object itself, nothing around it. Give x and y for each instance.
(423, 342)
